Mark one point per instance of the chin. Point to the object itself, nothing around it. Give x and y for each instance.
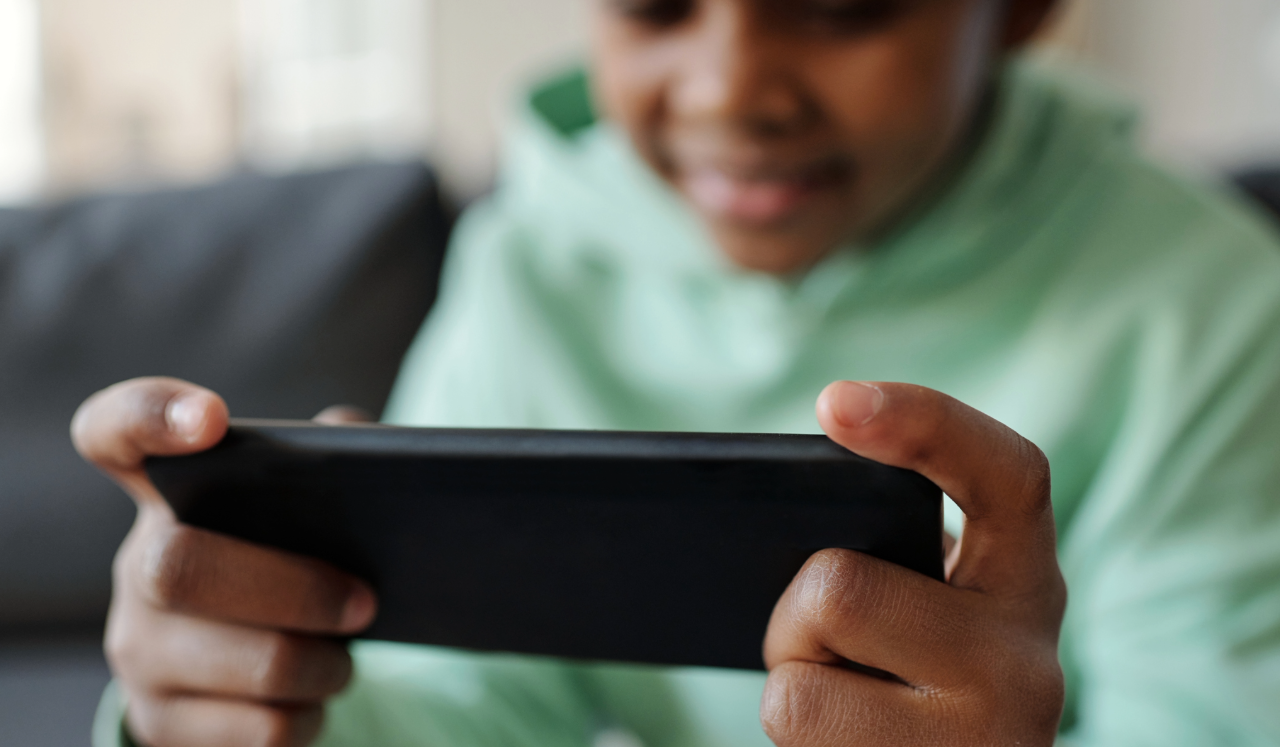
(772, 252)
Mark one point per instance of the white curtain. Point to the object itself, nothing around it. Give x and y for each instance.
(1207, 73)
(332, 80)
(21, 144)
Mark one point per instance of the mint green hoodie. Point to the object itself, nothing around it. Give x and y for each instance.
(1122, 319)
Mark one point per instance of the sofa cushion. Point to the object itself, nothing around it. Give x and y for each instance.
(285, 294)
(1263, 184)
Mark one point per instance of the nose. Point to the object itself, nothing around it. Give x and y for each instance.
(738, 73)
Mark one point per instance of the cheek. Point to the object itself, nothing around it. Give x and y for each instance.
(904, 102)
(890, 105)
(628, 85)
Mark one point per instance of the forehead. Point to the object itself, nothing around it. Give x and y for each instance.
(770, 7)
(826, 18)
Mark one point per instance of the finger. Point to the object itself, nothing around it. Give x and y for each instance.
(343, 415)
(119, 427)
(811, 705)
(847, 606)
(950, 554)
(185, 655)
(999, 479)
(183, 721)
(948, 543)
(200, 573)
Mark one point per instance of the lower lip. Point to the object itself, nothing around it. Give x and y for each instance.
(756, 202)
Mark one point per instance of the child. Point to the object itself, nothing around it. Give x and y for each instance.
(779, 195)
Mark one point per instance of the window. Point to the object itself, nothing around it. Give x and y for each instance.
(21, 145)
(332, 80)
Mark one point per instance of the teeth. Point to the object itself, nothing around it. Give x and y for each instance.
(752, 200)
(712, 189)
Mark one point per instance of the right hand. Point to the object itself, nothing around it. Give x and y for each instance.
(215, 641)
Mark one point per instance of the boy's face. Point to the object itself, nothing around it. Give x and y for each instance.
(793, 125)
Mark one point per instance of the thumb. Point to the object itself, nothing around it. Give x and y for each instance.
(998, 478)
(119, 427)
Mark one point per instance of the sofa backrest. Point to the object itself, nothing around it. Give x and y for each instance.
(1263, 185)
(285, 294)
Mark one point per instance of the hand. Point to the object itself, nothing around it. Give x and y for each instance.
(863, 652)
(215, 641)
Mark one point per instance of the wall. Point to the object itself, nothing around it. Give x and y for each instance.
(152, 90)
(1206, 72)
(326, 81)
(21, 139)
(486, 51)
(138, 90)
(141, 91)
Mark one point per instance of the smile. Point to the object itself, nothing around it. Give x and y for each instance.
(759, 197)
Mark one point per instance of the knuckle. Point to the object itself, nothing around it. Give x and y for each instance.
(127, 560)
(82, 430)
(130, 639)
(930, 413)
(276, 671)
(917, 446)
(834, 585)
(170, 573)
(1038, 481)
(1045, 598)
(144, 718)
(340, 673)
(123, 562)
(1045, 674)
(1044, 695)
(121, 646)
(287, 727)
(789, 705)
(277, 728)
(1059, 595)
(1030, 674)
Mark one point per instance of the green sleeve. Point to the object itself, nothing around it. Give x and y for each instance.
(108, 722)
(1172, 632)
(411, 696)
(467, 368)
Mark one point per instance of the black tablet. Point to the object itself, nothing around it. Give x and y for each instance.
(664, 548)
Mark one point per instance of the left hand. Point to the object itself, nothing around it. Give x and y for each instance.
(864, 652)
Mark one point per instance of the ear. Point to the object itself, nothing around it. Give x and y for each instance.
(1023, 18)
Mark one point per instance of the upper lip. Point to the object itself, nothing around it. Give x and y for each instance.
(764, 167)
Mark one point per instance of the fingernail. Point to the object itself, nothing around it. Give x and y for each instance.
(856, 403)
(186, 415)
(357, 613)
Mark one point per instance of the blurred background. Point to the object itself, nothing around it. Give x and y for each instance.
(238, 192)
(133, 92)
(141, 91)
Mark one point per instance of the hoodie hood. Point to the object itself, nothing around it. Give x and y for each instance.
(577, 177)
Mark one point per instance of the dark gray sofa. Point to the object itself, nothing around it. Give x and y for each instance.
(1263, 185)
(285, 294)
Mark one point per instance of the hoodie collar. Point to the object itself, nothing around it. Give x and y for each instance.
(579, 182)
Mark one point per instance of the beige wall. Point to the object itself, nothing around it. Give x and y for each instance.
(147, 90)
(1206, 73)
(21, 136)
(485, 53)
(138, 90)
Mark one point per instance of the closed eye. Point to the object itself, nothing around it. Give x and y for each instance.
(849, 16)
(656, 13)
